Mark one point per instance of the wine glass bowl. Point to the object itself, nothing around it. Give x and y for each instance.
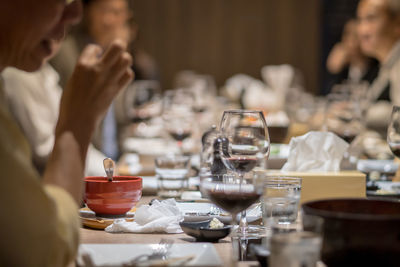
(231, 193)
(178, 115)
(143, 100)
(344, 117)
(393, 132)
(247, 140)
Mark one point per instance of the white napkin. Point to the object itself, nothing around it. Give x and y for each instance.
(259, 96)
(133, 162)
(315, 151)
(277, 118)
(161, 217)
(279, 77)
(235, 84)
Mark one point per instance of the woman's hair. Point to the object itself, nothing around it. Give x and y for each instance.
(393, 7)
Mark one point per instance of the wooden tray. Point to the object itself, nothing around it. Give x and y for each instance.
(89, 218)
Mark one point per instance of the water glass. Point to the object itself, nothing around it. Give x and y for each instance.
(300, 249)
(281, 198)
(172, 173)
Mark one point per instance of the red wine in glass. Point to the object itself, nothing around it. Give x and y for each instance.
(395, 147)
(233, 201)
(180, 135)
(346, 136)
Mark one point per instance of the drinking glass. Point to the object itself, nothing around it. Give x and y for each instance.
(142, 100)
(344, 116)
(295, 249)
(281, 202)
(393, 132)
(231, 193)
(172, 173)
(178, 115)
(246, 144)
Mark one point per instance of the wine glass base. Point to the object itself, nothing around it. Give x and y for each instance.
(255, 231)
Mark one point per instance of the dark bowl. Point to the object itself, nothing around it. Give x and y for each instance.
(202, 232)
(358, 232)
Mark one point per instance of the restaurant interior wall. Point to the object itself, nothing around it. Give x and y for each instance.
(225, 37)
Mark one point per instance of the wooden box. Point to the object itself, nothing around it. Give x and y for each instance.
(323, 185)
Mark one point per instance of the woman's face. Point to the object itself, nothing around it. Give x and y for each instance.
(108, 20)
(31, 30)
(377, 29)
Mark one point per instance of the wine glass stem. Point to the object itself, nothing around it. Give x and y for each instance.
(234, 220)
(243, 222)
(180, 146)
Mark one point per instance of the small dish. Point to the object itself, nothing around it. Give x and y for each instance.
(202, 211)
(202, 231)
(90, 220)
(383, 190)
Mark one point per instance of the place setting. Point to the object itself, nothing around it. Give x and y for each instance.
(234, 203)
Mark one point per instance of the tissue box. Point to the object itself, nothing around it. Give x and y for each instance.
(322, 185)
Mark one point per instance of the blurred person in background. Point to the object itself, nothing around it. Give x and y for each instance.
(379, 33)
(347, 62)
(34, 101)
(41, 224)
(103, 22)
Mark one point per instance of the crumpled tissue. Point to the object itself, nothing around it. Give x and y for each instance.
(315, 151)
(159, 217)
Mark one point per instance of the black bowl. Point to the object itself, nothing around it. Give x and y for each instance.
(203, 233)
(358, 232)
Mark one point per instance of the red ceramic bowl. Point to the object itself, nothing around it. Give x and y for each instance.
(112, 198)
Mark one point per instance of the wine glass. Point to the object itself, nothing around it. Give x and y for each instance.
(246, 145)
(344, 116)
(178, 115)
(142, 100)
(393, 132)
(230, 193)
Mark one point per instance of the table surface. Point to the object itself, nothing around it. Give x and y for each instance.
(91, 236)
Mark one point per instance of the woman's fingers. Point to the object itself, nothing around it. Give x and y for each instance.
(90, 55)
(112, 54)
(126, 78)
(120, 67)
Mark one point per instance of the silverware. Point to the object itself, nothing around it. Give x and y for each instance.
(176, 261)
(109, 166)
(159, 253)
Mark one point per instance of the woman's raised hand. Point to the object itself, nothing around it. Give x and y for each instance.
(95, 82)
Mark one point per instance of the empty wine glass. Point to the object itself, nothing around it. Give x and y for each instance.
(393, 132)
(178, 115)
(142, 100)
(246, 145)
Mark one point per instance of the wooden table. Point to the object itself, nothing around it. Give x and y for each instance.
(90, 236)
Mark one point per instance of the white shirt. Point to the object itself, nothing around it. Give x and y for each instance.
(34, 99)
(379, 113)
